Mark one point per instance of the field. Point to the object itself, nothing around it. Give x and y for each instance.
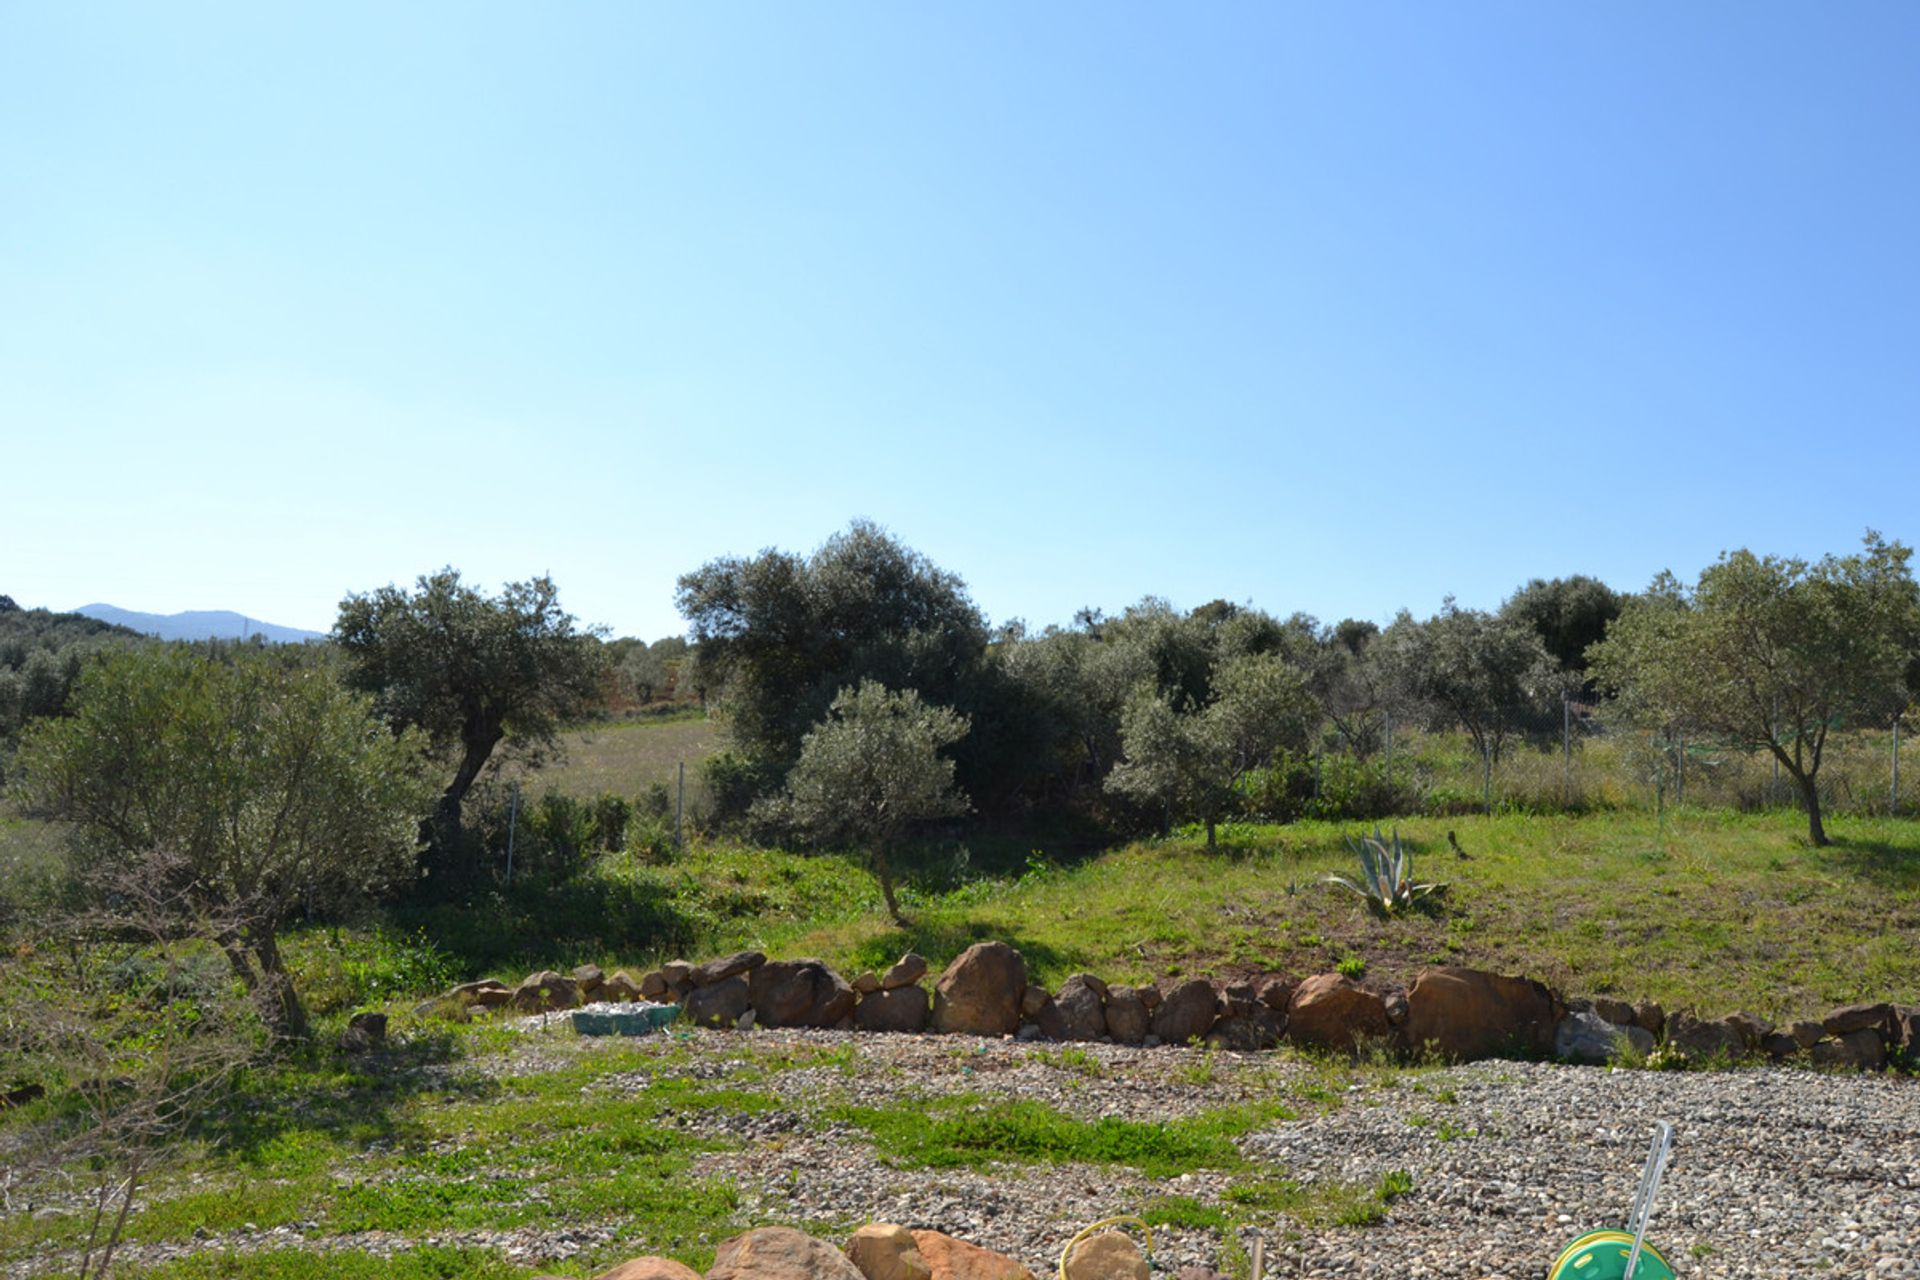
(626, 757)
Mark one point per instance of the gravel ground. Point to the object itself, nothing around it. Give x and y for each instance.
(1773, 1170)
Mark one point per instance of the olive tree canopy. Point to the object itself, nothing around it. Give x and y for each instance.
(1770, 653)
(871, 771)
(471, 672)
(241, 785)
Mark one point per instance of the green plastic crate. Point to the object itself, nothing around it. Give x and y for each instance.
(637, 1021)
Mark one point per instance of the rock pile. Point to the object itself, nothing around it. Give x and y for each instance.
(1450, 1013)
(885, 1251)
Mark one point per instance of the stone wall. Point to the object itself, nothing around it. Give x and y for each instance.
(1448, 1012)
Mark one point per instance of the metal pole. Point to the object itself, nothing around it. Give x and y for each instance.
(1566, 749)
(679, 803)
(1893, 800)
(513, 820)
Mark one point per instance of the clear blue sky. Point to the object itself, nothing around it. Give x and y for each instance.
(1326, 307)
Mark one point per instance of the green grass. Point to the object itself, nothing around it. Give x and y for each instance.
(626, 757)
(972, 1131)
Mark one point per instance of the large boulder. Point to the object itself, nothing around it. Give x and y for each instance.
(886, 1251)
(1127, 1018)
(951, 1259)
(591, 978)
(1186, 1013)
(720, 1004)
(620, 987)
(980, 992)
(651, 1268)
(798, 993)
(1906, 1030)
(1332, 1011)
(1108, 1255)
(892, 1009)
(1082, 1005)
(1260, 1029)
(1465, 1014)
(780, 1253)
(546, 992)
(726, 967)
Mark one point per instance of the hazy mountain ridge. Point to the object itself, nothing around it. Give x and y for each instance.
(198, 624)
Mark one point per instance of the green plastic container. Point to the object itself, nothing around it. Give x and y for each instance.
(1602, 1255)
(637, 1021)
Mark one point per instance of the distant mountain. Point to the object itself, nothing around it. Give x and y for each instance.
(198, 624)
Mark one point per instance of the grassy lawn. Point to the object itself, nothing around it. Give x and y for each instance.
(1713, 910)
(626, 757)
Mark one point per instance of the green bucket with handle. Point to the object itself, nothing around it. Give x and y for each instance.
(1623, 1255)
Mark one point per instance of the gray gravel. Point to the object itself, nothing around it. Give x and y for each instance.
(1774, 1171)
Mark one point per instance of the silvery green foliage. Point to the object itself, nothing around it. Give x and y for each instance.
(1386, 880)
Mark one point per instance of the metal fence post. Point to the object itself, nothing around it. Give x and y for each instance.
(679, 803)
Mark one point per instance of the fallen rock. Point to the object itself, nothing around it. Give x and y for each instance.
(488, 991)
(1618, 1012)
(1150, 996)
(1857, 1017)
(868, 981)
(1651, 1016)
(952, 1259)
(1862, 1050)
(1110, 1255)
(1260, 1029)
(892, 1009)
(1705, 1038)
(677, 973)
(620, 986)
(364, 1031)
(886, 1251)
(980, 992)
(906, 971)
(1332, 1011)
(720, 1004)
(546, 992)
(1032, 999)
(779, 1253)
(1751, 1027)
(591, 978)
(650, 1268)
(1081, 1004)
(653, 985)
(1127, 1016)
(1276, 992)
(1586, 1037)
(1187, 1013)
(1465, 1014)
(1806, 1032)
(798, 993)
(726, 967)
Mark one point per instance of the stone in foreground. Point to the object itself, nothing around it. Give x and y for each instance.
(1110, 1255)
(886, 1251)
(780, 1253)
(650, 1268)
(980, 992)
(952, 1259)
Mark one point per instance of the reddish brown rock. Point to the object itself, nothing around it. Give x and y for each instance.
(488, 991)
(719, 1004)
(1109, 1255)
(1650, 1016)
(590, 977)
(653, 985)
(1276, 991)
(886, 1251)
(868, 981)
(650, 1269)
(1862, 1050)
(952, 1259)
(546, 992)
(1618, 1012)
(893, 1009)
(798, 993)
(906, 971)
(1258, 1030)
(1465, 1014)
(726, 967)
(1704, 1038)
(620, 986)
(980, 992)
(1332, 1011)
(1857, 1017)
(780, 1253)
(1127, 1016)
(1082, 1007)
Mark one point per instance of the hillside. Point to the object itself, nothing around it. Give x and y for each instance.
(198, 624)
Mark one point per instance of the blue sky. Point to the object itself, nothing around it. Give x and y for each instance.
(1328, 307)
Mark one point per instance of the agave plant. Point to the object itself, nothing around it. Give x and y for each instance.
(1386, 875)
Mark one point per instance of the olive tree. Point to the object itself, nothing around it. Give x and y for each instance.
(871, 771)
(1770, 653)
(471, 672)
(246, 783)
(1189, 759)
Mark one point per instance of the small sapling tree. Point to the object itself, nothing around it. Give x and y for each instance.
(872, 771)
